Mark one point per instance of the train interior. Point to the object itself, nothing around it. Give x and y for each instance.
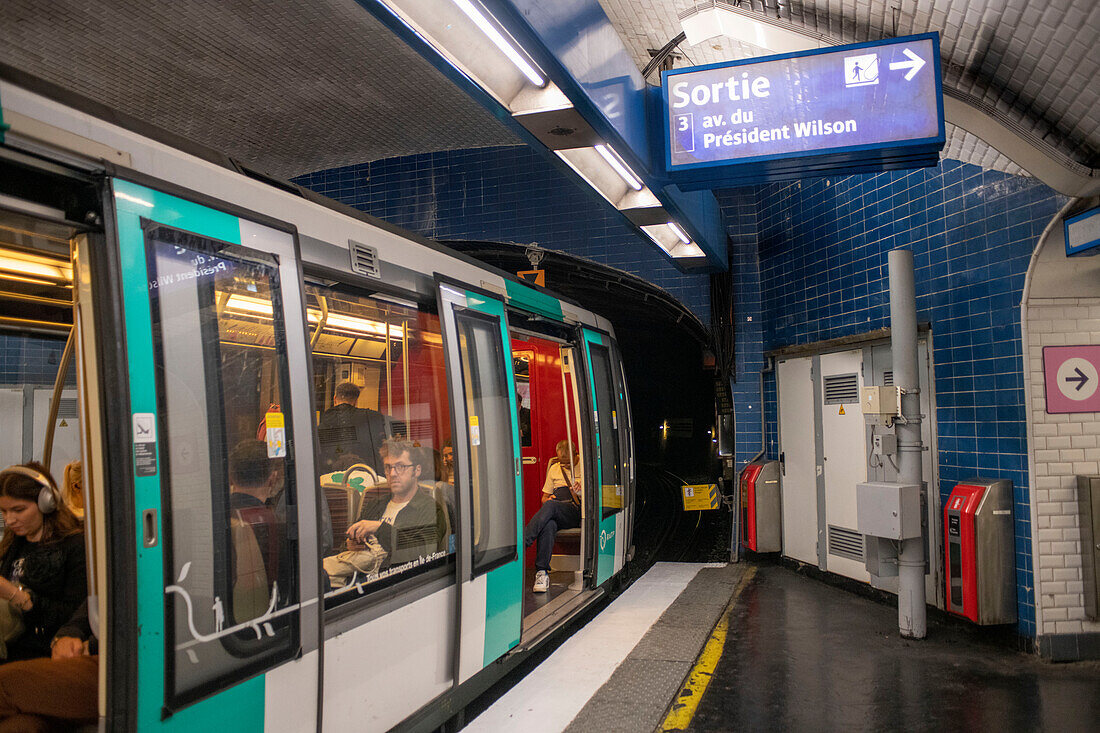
(47, 221)
(549, 416)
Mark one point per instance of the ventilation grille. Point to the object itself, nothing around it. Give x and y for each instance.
(364, 259)
(842, 389)
(887, 379)
(66, 409)
(845, 543)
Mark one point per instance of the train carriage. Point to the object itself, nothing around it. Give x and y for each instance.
(205, 308)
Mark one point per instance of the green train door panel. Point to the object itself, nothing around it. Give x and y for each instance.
(610, 476)
(215, 339)
(486, 442)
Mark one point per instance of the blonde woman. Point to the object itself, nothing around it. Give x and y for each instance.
(561, 509)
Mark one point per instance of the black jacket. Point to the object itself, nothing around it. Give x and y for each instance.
(344, 430)
(419, 530)
(55, 576)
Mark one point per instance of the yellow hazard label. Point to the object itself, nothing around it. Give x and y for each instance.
(274, 420)
(698, 497)
(841, 410)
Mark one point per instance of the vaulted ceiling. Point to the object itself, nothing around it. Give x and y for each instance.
(299, 86)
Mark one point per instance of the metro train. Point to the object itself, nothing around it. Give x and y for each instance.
(171, 304)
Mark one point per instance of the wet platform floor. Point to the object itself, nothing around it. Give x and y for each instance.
(803, 655)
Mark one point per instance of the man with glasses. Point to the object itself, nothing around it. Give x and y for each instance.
(407, 522)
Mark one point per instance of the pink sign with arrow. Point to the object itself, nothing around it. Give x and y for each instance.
(1071, 375)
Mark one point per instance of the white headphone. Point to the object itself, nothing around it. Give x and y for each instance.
(47, 495)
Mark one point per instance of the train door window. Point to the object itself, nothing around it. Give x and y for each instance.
(607, 425)
(521, 368)
(492, 462)
(221, 358)
(383, 428)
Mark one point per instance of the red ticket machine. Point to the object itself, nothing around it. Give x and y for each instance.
(760, 515)
(980, 551)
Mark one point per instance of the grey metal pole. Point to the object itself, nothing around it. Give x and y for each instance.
(912, 619)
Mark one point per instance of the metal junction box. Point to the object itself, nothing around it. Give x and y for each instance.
(884, 401)
(980, 551)
(1088, 500)
(889, 510)
(760, 511)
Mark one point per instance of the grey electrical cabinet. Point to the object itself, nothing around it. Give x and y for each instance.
(1088, 501)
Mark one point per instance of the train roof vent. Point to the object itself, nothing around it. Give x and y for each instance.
(842, 389)
(845, 543)
(364, 259)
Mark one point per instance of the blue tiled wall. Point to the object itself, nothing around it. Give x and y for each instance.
(823, 274)
(505, 194)
(30, 360)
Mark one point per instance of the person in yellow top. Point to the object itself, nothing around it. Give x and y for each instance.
(561, 509)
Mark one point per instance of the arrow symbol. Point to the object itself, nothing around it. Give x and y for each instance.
(1081, 379)
(914, 64)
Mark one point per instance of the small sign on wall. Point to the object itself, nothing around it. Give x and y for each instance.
(1071, 375)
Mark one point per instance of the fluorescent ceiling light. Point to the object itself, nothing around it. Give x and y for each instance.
(687, 250)
(679, 232)
(498, 39)
(35, 269)
(351, 324)
(620, 166)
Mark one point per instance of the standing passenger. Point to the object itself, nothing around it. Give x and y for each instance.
(345, 428)
(42, 570)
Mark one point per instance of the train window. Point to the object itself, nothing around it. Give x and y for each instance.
(383, 429)
(229, 498)
(521, 368)
(488, 410)
(607, 425)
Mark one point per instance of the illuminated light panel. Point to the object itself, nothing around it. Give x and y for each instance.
(687, 250)
(351, 324)
(680, 233)
(620, 166)
(252, 306)
(501, 42)
(35, 269)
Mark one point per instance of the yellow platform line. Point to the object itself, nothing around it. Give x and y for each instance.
(683, 708)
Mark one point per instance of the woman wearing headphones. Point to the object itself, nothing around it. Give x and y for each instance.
(42, 571)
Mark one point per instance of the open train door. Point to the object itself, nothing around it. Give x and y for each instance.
(226, 609)
(487, 475)
(614, 466)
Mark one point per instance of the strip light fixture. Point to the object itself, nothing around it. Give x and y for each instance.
(352, 324)
(608, 153)
(679, 232)
(490, 30)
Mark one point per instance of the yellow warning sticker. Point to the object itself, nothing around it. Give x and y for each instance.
(841, 409)
(699, 497)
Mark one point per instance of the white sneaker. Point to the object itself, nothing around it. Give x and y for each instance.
(542, 582)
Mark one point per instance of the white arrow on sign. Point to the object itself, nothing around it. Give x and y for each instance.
(914, 64)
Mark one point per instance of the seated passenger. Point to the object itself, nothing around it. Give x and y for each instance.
(43, 576)
(345, 428)
(406, 523)
(561, 509)
(253, 478)
(47, 694)
(73, 488)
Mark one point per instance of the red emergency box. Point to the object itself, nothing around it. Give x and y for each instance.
(760, 515)
(980, 552)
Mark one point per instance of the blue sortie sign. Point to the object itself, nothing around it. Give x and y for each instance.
(861, 98)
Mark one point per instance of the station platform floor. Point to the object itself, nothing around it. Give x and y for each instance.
(702, 647)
